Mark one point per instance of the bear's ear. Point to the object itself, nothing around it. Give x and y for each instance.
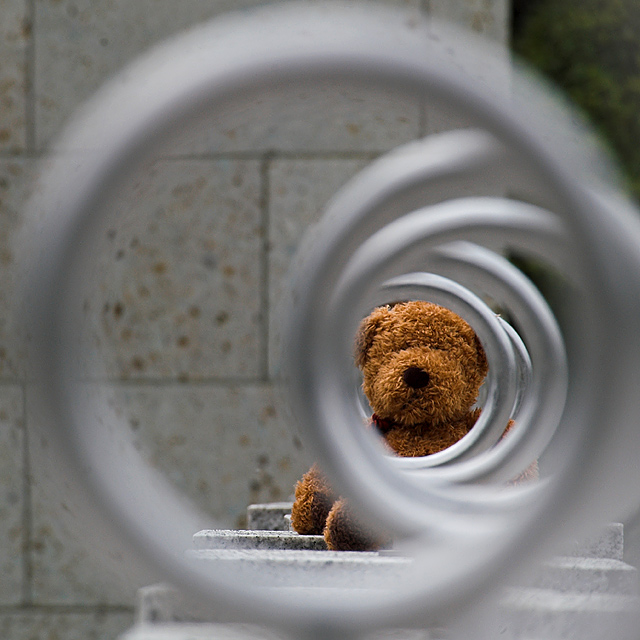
(367, 332)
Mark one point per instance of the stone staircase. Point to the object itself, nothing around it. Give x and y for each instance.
(588, 594)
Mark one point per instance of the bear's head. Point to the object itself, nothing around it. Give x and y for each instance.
(421, 363)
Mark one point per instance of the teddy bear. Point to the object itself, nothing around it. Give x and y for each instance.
(422, 367)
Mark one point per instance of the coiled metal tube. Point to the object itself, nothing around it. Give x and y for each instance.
(467, 537)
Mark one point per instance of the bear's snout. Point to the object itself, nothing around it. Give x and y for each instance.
(415, 377)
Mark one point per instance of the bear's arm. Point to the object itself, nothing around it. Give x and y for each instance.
(314, 499)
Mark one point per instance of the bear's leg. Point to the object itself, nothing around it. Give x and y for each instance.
(344, 533)
(314, 499)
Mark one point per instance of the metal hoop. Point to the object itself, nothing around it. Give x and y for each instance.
(401, 246)
(492, 275)
(502, 387)
(204, 72)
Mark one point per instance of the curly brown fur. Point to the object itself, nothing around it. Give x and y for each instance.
(424, 439)
(422, 368)
(427, 337)
(343, 532)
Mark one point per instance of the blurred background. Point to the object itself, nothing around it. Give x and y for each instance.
(182, 307)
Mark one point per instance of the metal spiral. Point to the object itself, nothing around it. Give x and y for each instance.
(572, 392)
(407, 240)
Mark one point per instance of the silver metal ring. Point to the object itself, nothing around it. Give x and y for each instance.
(502, 386)
(401, 246)
(523, 365)
(204, 72)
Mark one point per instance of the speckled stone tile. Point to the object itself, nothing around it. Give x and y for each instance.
(295, 568)
(15, 35)
(179, 431)
(65, 570)
(439, 119)
(176, 290)
(81, 625)
(15, 184)
(489, 18)
(328, 119)
(252, 539)
(80, 43)
(12, 498)
(299, 191)
(269, 516)
(222, 446)
(73, 562)
(266, 447)
(225, 447)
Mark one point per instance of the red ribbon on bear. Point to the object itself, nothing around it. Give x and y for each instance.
(383, 425)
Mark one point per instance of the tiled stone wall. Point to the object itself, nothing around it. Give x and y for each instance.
(182, 308)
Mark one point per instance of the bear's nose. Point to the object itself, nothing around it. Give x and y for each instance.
(415, 377)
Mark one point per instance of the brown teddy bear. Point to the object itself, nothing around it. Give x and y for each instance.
(422, 367)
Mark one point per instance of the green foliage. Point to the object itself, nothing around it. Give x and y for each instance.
(591, 49)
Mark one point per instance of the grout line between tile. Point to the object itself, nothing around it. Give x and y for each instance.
(26, 154)
(30, 97)
(234, 155)
(72, 609)
(272, 155)
(27, 514)
(176, 382)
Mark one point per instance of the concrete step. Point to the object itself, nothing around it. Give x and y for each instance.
(564, 574)
(272, 516)
(308, 569)
(601, 573)
(525, 614)
(162, 604)
(258, 540)
(550, 615)
(269, 516)
(608, 544)
(217, 631)
(588, 575)
(578, 595)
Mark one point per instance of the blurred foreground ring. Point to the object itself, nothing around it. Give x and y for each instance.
(467, 537)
